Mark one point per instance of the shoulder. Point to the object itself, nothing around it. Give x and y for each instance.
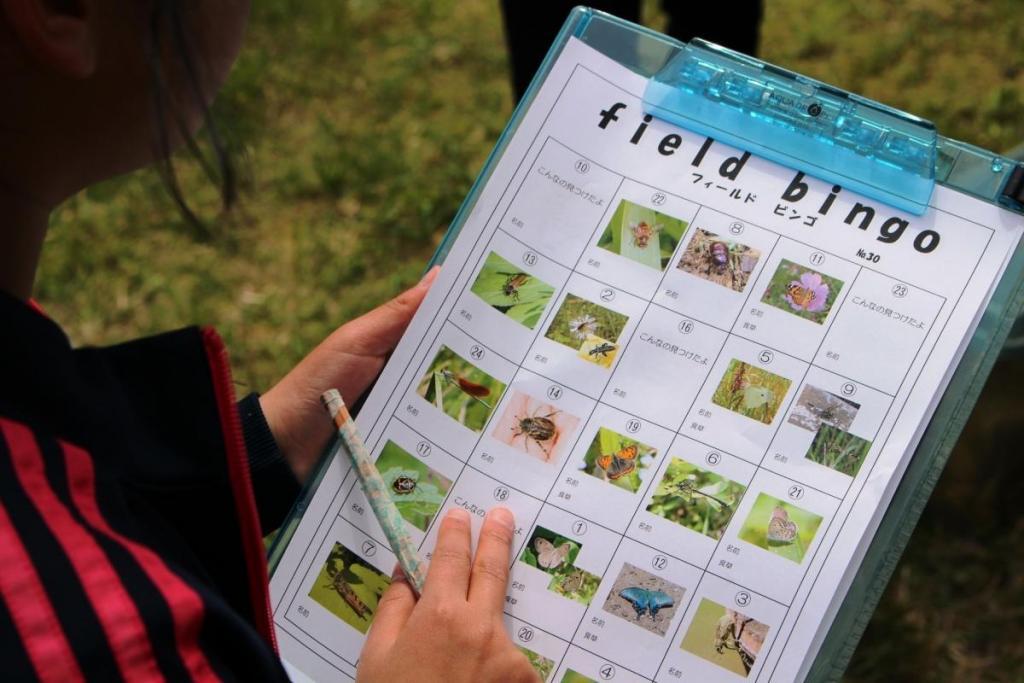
(73, 588)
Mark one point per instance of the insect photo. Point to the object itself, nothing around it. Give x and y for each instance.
(460, 390)
(349, 587)
(510, 290)
(801, 291)
(725, 637)
(550, 556)
(815, 406)
(643, 599)
(696, 498)
(715, 259)
(780, 527)
(591, 330)
(617, 459)
(541, 664)
(417, 490)
(642, 234)
(534, 427)
(556, 555)
(750, 391)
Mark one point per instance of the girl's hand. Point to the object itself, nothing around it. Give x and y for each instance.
(348, 360)
(454, 632)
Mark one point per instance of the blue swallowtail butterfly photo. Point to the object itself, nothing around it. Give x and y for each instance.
(644, 600)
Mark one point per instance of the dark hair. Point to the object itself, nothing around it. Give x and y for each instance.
(167, 21)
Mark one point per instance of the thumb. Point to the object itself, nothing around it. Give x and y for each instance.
(377, 332)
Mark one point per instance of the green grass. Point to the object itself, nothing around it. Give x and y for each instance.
(362, 125)
(839, 450)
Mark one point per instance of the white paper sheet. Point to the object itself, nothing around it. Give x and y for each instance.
(694, 376)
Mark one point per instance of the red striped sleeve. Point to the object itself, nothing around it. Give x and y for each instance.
(31, 611)
(118, 615)
(185, 604)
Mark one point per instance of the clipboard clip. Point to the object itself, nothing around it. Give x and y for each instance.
(824, 131)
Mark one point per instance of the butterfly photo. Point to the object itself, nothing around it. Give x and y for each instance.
(780, 527)
(555, 555)
(550, 552)
(617, 459)
(696, 498)
(550, 556)
(801, 291)
(751, 391)
(643, 599)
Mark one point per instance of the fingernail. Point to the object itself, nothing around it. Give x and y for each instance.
(459, 514)
(429, 276)
(397, 574)
(503, 517)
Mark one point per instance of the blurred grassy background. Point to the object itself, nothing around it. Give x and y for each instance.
(362, 124)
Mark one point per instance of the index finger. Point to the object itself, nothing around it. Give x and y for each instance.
(448, 576)
(489, 580)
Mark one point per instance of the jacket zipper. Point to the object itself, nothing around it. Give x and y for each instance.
(241, 484)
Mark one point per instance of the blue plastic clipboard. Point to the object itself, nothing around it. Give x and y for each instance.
(834, 135)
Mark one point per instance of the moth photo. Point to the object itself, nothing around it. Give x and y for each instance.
(349, 587)
(643, 599)
(591, 330)
(696, 498)
(719, 260)
(725, 637)
(555, 555)
(512, 291)
(816, 406)
(460, 390)
(534, 427)
(644, 235)
(617, 459)
(750, 391)
(780, 527)
(417, 490)
(801, 291)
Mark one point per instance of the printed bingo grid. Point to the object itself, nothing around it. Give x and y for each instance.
(669, 401)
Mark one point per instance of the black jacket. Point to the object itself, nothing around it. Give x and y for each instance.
(131, 511)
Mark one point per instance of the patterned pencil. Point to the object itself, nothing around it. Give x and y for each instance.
(376, 490)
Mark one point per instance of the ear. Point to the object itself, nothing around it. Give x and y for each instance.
(57, 33)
